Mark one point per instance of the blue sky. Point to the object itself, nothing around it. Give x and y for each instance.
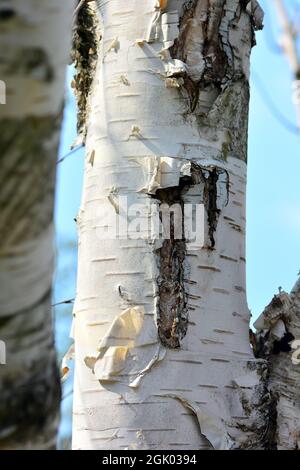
(273, 197)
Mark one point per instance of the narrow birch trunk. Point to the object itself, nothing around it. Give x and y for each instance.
(278, 341)
(163, 357)
(34, 36)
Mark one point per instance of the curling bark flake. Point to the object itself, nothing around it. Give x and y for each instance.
(34, 53)
(161, 328)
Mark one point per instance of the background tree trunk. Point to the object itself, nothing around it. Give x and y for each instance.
(34, 38)
(163, 358)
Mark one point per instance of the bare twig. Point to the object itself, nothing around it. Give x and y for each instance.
(272, 106)
(67, 394)
(63, 302)
(60, 160)
(289, 47)
(289, 38)
(268, 30)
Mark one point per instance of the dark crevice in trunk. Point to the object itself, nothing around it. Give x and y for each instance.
(283, 345)
(84, 56)
(172, 318)
(213, 211)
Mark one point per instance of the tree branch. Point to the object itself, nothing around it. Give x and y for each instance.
(289, 47)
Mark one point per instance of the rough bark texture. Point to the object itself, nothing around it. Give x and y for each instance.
(163, 358)
(34, 53)
(84, 56)
(289, 43)
(278, 327)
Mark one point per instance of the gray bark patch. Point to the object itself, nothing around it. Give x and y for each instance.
(32, 61)
(28, 168)
(30, 389)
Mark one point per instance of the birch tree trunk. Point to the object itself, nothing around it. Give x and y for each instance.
(34, 38)
(162, 352)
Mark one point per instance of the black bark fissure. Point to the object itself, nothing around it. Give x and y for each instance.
(210, 196)
(84, 56)
(7, 13)
(172, 319)
(172, 310)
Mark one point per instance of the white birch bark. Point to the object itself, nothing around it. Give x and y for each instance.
(162, 355)
(35, 40)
